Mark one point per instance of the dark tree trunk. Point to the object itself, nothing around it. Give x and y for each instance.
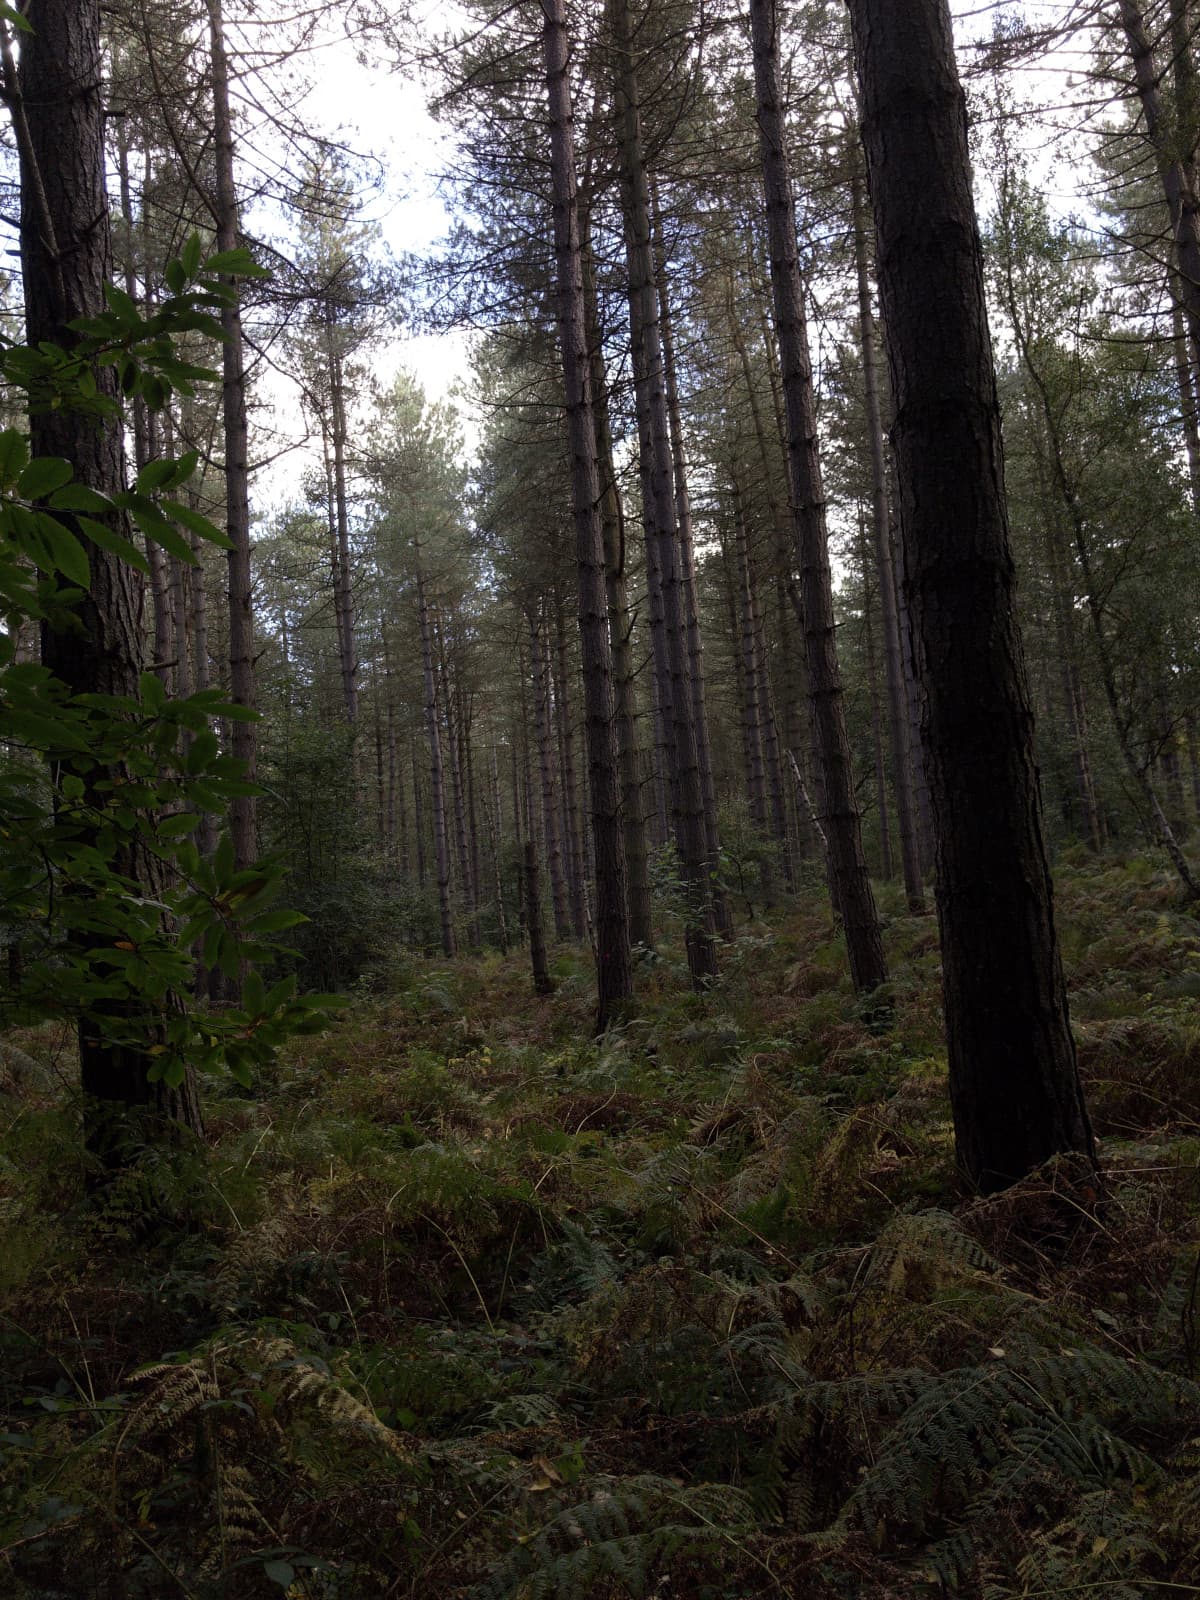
(244, 741)
(543, 984)
(433, 732)
(687, 554)
(1014, 1086)
(572, 835)
(1174, 171)
(664, 554)
(620, 632)
(881, 543)
(613, 966)
(550, 821)
(849, 882)
(66, 259)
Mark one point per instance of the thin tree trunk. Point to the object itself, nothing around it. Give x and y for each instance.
(1014, 1086)
(543, 984)
(437, 777)
(244, 741)
(850, 883)
(683, 514)
(550, 828)
(662, 530)
(572, 833)
(1173, 171)
(898, 720)
(620, 624)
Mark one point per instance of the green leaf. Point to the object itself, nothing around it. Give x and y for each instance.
(190, 256)
(196, 523)
(115, 543)
(180, 823)
(154, 475)
(14, 454)
(201, 751)
(78, 497)
(42, 476)
(65, 550)
(154, 695)
(176, 277)
(237, 263)
(122, 305)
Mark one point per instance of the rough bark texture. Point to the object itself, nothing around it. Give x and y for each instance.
(543, 984)
(1013, 1081)
(613, 966)
(849, 881)
(66, 259)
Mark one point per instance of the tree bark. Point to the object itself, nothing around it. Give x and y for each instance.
(881, 543)
(433, 732)
(244, 739)
(543, 984)
(66, 259)
(850, 883)
(1014, 1085)
(662, 529)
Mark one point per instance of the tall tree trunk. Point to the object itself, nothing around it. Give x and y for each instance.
(344, 589)
(550, 827)
(244, 740)
(620, 624)
(850, 883)
(662, 528)
(1174, 171)
(543, 984)
(886, 867)
(452, 712)
(570, 793)
(881, 544)
(1185, 378)
(1014, 1086)
(66, 259)
(687, 552)
(433, 732)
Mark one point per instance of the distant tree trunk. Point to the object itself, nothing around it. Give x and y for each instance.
(441, 841)
(452, 713)
(687, 551)
(881, 543)
(662, 529)
(244, 740)
(1173, 171)
(550, 828)
(494, 823)
(851, 886)
(66, 258)
(419, 811)
(343, 585)
(543, 984)
(572, 835)
(1014, 1086)
(620, 626)
(886, 867)
(756, 791)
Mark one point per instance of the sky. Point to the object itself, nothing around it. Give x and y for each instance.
(384, 113)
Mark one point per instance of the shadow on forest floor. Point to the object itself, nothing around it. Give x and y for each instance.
(460, 1302)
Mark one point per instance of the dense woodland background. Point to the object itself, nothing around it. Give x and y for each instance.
(609, 1177)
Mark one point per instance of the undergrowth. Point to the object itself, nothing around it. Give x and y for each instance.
(460, 1304)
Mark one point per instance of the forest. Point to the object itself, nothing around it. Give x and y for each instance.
(600, 800)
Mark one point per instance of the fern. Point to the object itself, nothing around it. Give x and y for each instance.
(627, 1532)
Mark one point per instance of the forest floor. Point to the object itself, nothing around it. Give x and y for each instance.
(460, 1302)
